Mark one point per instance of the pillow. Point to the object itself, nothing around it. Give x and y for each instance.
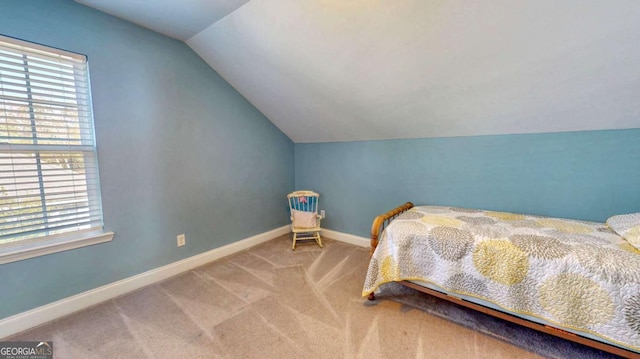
(304, 219)
(627, 226)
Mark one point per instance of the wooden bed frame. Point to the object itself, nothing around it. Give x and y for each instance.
(381, 221)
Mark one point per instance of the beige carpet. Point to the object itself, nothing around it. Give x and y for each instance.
(266, 302)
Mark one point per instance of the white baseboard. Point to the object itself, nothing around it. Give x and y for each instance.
(46, 313)
(347, 238)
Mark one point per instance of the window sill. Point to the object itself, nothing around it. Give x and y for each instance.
(44, 247)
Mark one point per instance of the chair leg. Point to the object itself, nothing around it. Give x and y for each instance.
(293, 248)
(318, 239)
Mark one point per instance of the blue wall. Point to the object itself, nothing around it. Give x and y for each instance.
(583, 175)
(180, 151)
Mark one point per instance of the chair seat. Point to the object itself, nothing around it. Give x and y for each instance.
(305, 229)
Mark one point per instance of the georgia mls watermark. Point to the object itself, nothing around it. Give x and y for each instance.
(26, 350)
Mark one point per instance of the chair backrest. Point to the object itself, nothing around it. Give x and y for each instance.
(304, 208)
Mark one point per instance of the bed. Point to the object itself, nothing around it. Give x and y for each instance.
(573, 279)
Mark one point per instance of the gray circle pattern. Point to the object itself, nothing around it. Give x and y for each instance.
(540, 246)
(584, 239)
(526, 223)
(450, 243)
(523, 296)
(489, 231)
(632, 312)
(410, 215)
(464, 210)
(463, 282)
(416, 258)
(372, 274)
(614, 265)
(477, 220)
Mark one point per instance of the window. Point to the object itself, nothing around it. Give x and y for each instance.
(49, 188)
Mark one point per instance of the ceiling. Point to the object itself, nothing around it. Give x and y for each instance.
(180, 19)
(347, 70)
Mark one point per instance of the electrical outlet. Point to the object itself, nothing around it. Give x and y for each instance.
(322, 213)
(181, 240)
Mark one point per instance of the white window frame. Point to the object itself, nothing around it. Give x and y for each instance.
(47, 240)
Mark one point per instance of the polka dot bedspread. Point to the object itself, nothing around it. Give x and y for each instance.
(575, 274)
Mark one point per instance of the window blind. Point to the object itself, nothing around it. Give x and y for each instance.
(48, 163)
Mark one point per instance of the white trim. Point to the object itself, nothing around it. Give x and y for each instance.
(46, 313)
(32, 249)
(347, 238)
(30, 46)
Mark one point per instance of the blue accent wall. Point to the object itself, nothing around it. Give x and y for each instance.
(180, 151)
(583, 175)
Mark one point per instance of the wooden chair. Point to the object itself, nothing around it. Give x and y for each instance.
(305, 219)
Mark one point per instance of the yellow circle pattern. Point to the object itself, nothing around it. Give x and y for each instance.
(564, 226)
(633, 236)
(390, 270)
(575, 300)
(442, 221)
(625, 246)
(501, 261)
(505, 216)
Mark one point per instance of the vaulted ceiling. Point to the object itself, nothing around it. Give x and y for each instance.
(345, 70)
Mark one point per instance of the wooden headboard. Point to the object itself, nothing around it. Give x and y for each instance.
(381, 221)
